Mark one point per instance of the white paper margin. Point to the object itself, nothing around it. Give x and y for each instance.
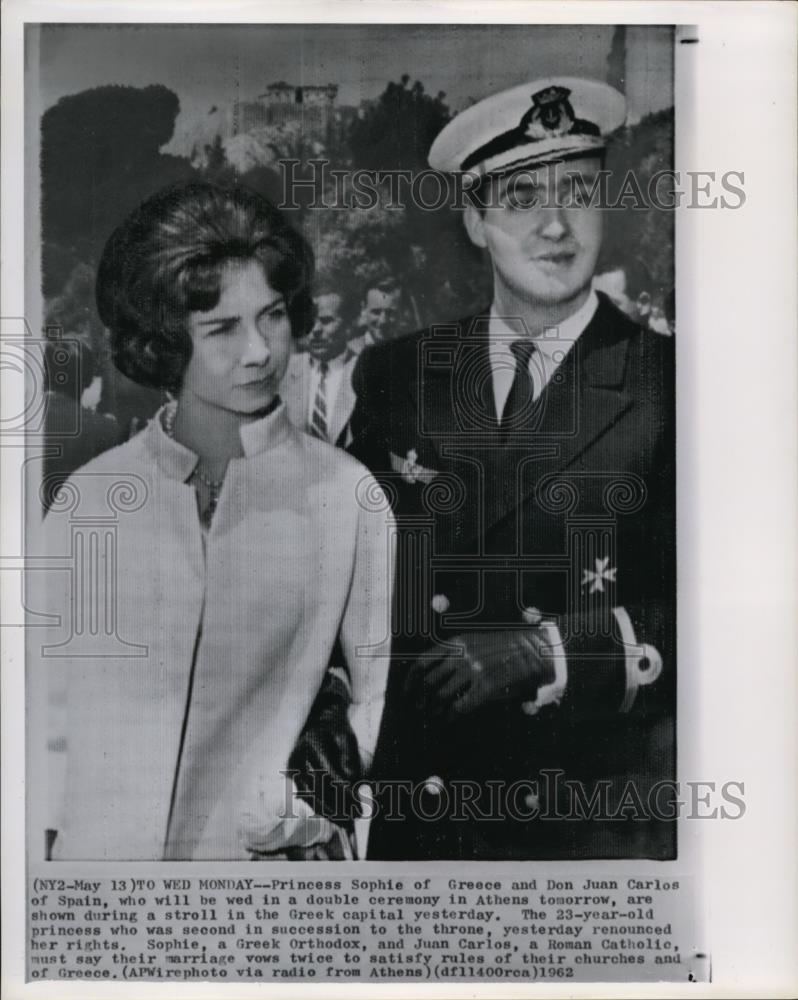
(738, 489)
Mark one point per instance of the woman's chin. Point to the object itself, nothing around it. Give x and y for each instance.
(250, 402)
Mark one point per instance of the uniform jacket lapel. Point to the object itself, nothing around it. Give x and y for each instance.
(589, 396)
(457, 410)
(456, 391)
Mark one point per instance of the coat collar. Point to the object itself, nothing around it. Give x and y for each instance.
(598, 360)
(178, 462)
(603, 343)
(588, 396)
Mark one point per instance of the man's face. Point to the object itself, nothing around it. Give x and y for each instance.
(241, 347)
(381, 312)
(543, 239)
(328, 337)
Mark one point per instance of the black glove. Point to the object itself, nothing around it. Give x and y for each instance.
(326, 756)
(507, 665)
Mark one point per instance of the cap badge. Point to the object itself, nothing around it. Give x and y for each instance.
(550, 115)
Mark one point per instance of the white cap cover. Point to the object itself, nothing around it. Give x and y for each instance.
(538, 122)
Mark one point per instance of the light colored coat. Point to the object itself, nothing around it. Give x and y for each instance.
(295, 391)
(186, 695)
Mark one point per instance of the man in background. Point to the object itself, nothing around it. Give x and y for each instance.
(317, 388)
(628, 286)
(380, 313)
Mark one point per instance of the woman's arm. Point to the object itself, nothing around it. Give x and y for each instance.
(366, 627)
(337, 743)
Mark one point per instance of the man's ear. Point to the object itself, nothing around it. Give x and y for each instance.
(475, 225)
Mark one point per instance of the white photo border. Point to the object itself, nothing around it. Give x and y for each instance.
(737, 359)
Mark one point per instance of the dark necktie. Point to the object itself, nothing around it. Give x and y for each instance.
(520, 403)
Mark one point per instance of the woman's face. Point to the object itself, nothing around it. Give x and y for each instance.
(241, 347)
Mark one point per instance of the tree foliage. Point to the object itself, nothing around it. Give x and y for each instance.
(100, 157)
(640, 236)
(396, 132)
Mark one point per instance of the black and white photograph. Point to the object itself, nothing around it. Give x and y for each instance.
(359, 434)
(348, 494)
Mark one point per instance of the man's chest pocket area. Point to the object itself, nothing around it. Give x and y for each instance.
(558, 550)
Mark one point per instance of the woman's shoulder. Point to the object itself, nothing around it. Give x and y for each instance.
(129, 452)
(113, 458)
(123, 460)
(117, 475)
(330, 468)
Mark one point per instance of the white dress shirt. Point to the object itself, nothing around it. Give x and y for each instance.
(553, 344)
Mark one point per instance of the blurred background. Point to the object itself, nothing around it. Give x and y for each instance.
(127, 109)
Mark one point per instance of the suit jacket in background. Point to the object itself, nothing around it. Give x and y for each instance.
(295, 391)
(573, 515)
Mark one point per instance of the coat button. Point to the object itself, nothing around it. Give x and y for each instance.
(433, 785)
(440, 604)
(532, 801)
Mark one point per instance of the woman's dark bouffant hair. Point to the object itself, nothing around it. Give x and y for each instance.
(166, 260)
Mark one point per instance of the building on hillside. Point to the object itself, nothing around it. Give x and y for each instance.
(314, 105)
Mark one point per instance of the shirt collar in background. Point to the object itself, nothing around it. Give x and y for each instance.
(339, 361)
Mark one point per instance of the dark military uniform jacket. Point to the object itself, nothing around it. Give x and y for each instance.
(572, 514)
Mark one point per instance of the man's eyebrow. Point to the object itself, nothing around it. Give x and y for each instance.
(231, 319)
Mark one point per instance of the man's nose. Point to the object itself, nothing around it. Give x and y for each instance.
(256, 350)
(553, 222)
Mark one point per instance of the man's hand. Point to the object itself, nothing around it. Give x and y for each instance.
(494, 666)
